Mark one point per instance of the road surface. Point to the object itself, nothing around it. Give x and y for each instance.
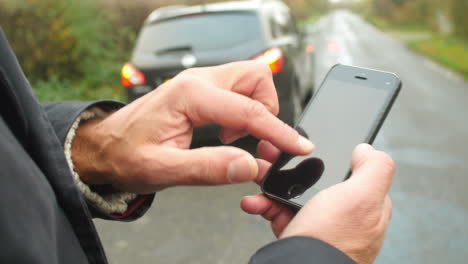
(426, 133)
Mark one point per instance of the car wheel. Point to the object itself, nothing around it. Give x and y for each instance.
(131, 96)
(307, 98)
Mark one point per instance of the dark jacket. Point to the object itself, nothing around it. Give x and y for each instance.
(43, 217)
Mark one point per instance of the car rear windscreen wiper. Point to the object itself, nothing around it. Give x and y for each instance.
(174, 50)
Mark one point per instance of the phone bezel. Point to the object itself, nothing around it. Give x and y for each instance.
(350, 75)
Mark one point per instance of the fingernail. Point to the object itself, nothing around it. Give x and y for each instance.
(306, 144)
(242, 169)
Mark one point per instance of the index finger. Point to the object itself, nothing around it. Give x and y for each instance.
(207, 104)
(250, 78)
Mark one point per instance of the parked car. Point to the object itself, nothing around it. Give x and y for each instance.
(178, 37)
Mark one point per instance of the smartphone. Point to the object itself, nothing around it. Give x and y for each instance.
(348, 109)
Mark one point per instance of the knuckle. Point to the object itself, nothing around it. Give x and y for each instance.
(258, 70)
(285, 131)
(145, 166)
(191, 71)
(205, 175)
(187, 85)
(262, 88)
(265, 81)
(262, 68)
(254, 109)
(200, 170)
(184, 82)
(275, 107)
(209, 173)
(387, 163)
(271, 102)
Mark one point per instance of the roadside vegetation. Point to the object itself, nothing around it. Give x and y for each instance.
(450, 51)
(437, 29)
(75, 49)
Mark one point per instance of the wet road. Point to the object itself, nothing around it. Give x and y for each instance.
(426, 133)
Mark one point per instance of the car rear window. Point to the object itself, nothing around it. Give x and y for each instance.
(199, 32)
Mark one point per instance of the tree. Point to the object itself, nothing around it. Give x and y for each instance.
(51, 39)
(302, 9)
(459, 11)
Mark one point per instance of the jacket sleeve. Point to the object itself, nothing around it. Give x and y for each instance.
(62, 115)
(300, 250)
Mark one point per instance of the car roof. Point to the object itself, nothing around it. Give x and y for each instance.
(177, 10)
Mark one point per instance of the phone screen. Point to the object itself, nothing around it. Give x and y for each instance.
(345, 112)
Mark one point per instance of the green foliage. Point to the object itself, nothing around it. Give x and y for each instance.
(55, 89)
(51, 38)
(449, 51)
(74, 49)
(460, 18)
(404, 12)
(62, 46)
(415, 22)
(422, 13)
(386, 25)
(304, 9)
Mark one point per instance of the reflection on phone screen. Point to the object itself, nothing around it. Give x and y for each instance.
(339, 118)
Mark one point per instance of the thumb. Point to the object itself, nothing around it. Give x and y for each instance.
(204, 166)
(372, 169)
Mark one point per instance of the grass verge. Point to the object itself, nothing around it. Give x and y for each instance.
(449, 51)
(60, 90)
(98, 84)
(312, 19)
(387, 26)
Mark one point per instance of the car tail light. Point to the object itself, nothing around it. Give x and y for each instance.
(130, 75)
(273, 57)
(310, 48)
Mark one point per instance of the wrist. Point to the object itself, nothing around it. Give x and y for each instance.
(87, 154)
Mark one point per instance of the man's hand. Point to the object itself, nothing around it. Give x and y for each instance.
(143, 147)
(352, 215)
